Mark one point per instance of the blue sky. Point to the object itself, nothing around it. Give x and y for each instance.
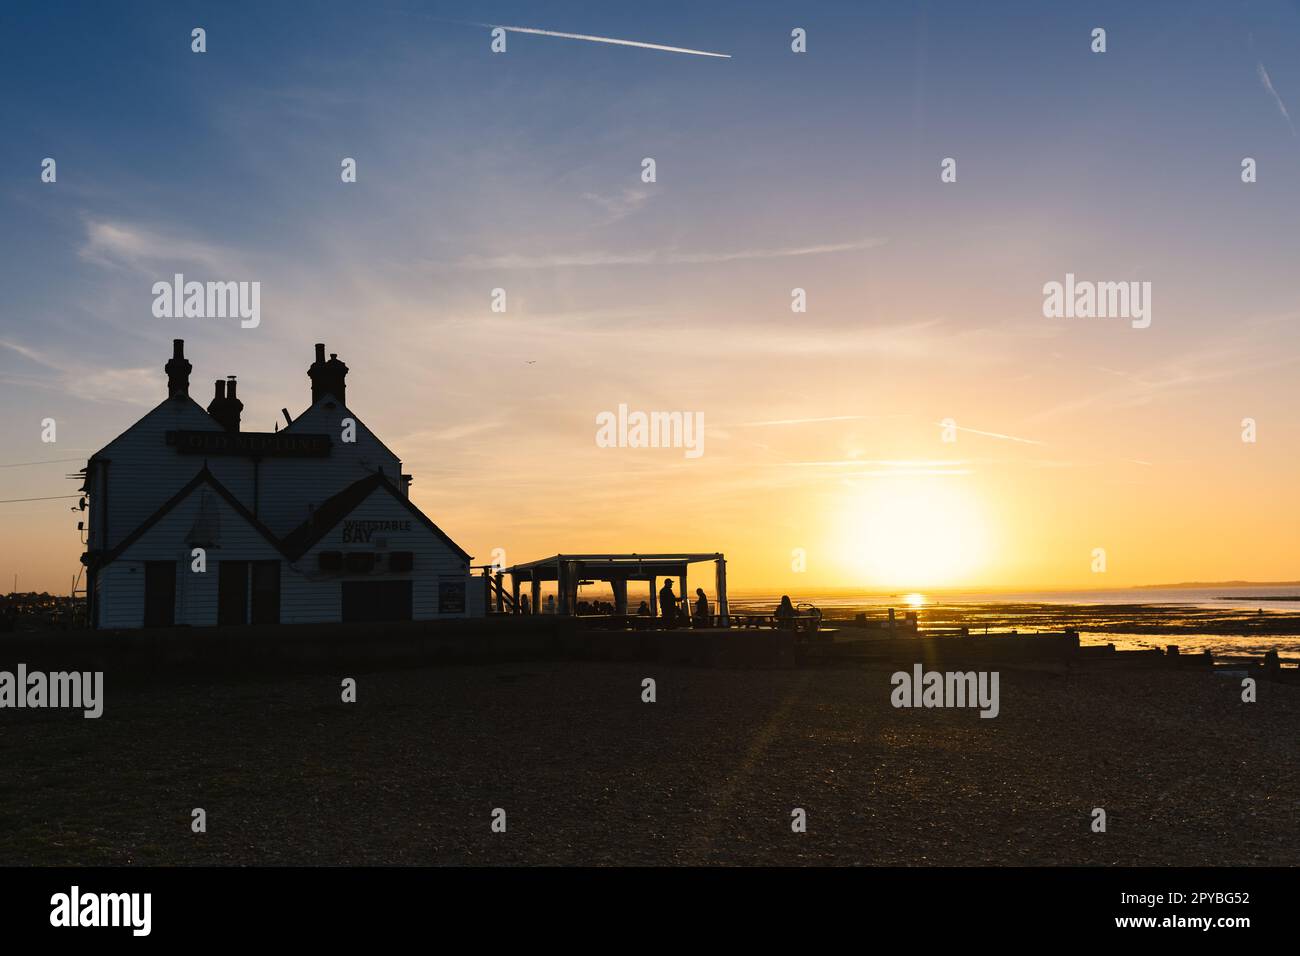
(522, 171)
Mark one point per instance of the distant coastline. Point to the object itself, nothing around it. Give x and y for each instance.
(1201, 585)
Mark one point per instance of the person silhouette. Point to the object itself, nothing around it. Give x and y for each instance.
(523, 605)
(668, 603)
(785, 613)
(701, 608)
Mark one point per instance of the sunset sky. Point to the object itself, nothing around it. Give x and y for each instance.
(775, 170)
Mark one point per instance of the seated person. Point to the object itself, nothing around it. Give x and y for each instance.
(785, 614)
(701, 608)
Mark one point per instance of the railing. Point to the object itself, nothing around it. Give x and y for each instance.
(496, 599)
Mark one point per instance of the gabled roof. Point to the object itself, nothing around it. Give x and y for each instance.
(333, 510)
(349, 413)
(203, 477)
(182, 405)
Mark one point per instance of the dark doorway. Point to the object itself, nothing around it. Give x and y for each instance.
(266, 592)
(232, 593)
(159, 593)
(377, 601)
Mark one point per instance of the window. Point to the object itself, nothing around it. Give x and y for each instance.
(359, 562)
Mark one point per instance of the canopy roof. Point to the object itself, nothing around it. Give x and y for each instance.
(631, 567)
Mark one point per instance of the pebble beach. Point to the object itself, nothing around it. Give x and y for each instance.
(709, 773)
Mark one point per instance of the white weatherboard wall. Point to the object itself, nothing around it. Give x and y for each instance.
(143, 472)
(121, 583)
(288, 486)
(309, 595)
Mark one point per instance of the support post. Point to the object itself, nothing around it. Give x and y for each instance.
(720, 573)
(574, 584)
(684, 598)
(537, 593)
(561, 586)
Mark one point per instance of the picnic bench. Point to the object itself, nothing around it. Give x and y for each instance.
(807, 619)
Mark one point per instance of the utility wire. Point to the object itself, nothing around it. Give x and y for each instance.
(9, 501)
(48, 461)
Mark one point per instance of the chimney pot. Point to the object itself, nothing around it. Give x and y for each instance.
(178, 371)
(327, 378)
(225, 406)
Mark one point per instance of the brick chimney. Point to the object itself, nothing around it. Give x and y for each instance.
(178, 371)
(327, 378)
(225, 406)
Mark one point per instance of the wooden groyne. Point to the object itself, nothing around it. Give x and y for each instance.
(250, 650)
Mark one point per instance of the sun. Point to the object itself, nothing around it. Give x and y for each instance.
(913, 532)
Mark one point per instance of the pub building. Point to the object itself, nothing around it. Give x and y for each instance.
(191, 521)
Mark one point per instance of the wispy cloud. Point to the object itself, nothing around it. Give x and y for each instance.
(450, 433)
(90, 382)
(1268, 86)
(799, 421)
(28, 353)
(117, 245)
(1176, 376)
(620, 205)
(655, 257)
(594, 39)
(923, 339)
(906, 463)
(910, 473)
(846, 469)
(997, 435)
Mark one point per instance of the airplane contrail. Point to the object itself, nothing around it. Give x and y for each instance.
(583, 36)
(1277, 100)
